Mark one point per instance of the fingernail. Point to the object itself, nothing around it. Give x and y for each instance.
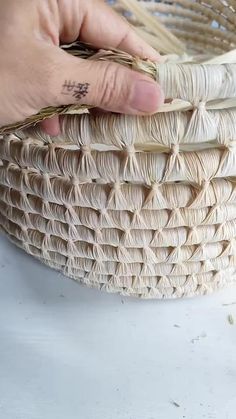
(147, 97)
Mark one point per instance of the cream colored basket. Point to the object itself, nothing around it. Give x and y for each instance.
(145, 206)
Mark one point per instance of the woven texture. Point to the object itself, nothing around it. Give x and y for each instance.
(145, 206)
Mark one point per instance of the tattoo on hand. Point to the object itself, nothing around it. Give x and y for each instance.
(74, 89)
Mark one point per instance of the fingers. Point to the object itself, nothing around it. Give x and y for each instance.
(102, 84)
(94, 22)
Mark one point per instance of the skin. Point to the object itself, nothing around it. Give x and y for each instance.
(34, 69)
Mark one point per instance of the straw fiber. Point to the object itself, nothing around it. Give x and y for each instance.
(145, 206)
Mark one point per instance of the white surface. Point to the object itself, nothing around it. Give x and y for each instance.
(68, 352)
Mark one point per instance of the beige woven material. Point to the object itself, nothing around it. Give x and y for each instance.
(145, 206)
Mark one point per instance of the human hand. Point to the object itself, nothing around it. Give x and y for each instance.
(34, 71)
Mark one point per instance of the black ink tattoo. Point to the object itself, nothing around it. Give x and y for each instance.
(74, 89)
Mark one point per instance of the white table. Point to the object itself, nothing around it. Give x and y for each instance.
(68, 352)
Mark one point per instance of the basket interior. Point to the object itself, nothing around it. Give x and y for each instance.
(204, 27)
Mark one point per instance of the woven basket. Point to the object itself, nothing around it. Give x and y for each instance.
(145, 206)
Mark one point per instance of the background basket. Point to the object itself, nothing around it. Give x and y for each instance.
(141, 205)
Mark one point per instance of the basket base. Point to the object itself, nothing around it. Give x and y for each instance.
(137, 288)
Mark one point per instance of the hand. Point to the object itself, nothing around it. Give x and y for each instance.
(34, 71)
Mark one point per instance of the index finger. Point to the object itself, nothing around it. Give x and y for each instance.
(94, 22)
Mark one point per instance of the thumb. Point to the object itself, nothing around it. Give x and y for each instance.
(102, 84)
